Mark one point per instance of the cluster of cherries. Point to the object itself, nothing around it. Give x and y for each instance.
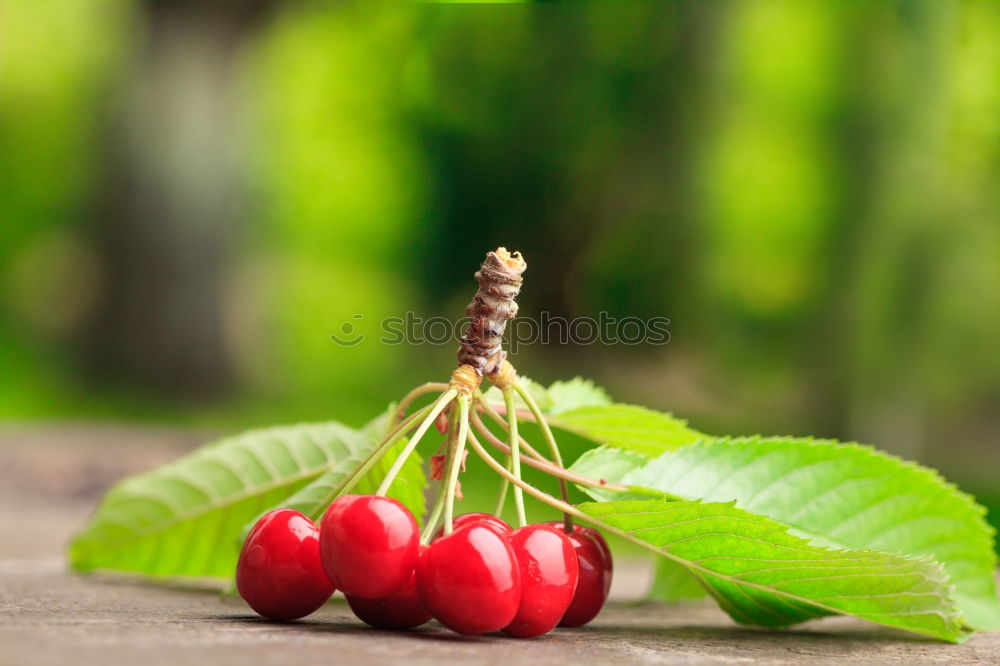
(484, 576)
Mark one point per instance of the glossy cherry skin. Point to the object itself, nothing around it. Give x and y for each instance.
(485, 519)
(368, 544)
(594, 558)
(470, 580)
(279, 573)
(403, 609)
(549, 571)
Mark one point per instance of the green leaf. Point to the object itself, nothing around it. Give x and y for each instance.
(561, 396)
(408, 488)
(576, 393)
(583, 408)
(184, 518)
(760, 574)
(608, 464)
(630, 427)
(672, 582)
(541, 395)
(838, 495)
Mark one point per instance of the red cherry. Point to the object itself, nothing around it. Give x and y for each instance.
(403, 609)
(595, 562)
(279, 573)
(549, 571)
(470, 581)
(368, 544)
(485, 519)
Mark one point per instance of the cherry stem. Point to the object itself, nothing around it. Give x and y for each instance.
(435, 517)
(521, 413)
(504, 483)
(545, 465)
(432, 521)
(456, 462)
(541, 496)
(436, 408)
(550, 440)
(423, 389)
(380, 450)
(528, 448)
(515, 456)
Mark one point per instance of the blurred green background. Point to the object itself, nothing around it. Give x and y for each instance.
(195, 195)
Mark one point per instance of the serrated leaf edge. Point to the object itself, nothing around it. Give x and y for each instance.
(941, 576)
